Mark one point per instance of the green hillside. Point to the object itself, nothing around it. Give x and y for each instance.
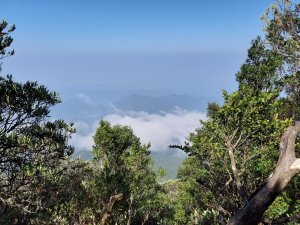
(168, 160)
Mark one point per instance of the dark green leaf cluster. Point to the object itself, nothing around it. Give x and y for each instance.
(30, 144)
(5, 40)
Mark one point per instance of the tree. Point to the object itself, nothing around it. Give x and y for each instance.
(126, 180)
(71, 196)
(283, 28)
(30, 144)
(235, 151)
(118, 186)
(5, 40)
(282, 34)
(287, 167)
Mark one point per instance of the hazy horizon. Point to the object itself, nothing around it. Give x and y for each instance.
(95, 53)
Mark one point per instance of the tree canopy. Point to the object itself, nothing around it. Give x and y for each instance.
(30, 144)
(243, 158)
(283, 28)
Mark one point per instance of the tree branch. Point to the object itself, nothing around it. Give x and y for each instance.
(235, 172)
(287, 167)
(107, 209)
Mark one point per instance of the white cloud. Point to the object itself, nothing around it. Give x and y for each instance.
(85, 99)
(160, 130)
(83, 139)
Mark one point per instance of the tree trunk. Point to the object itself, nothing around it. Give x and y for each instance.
(287, 167)
(107, 209)
(129, 211)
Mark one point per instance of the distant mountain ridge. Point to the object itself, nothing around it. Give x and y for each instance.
(136, 102)
(75, 109)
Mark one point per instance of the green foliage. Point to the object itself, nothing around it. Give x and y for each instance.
(249, 125)
(69, 195)
(260, 71)
(81, 191)
(31, 146)
(282, 33)
(282, 30)
(5, 40)
(126, 167)
(291, 102)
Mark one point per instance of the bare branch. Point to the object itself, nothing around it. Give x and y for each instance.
(235, 171)
(287, 167)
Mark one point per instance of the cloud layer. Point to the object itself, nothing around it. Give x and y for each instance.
(85, 99)
(160, 130)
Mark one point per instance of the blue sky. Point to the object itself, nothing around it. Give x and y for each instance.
(94, 52)
(171, 46)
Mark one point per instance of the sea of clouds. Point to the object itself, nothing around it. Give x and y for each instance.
(161, 129)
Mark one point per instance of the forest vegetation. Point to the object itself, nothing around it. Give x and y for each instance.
(242, 162)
